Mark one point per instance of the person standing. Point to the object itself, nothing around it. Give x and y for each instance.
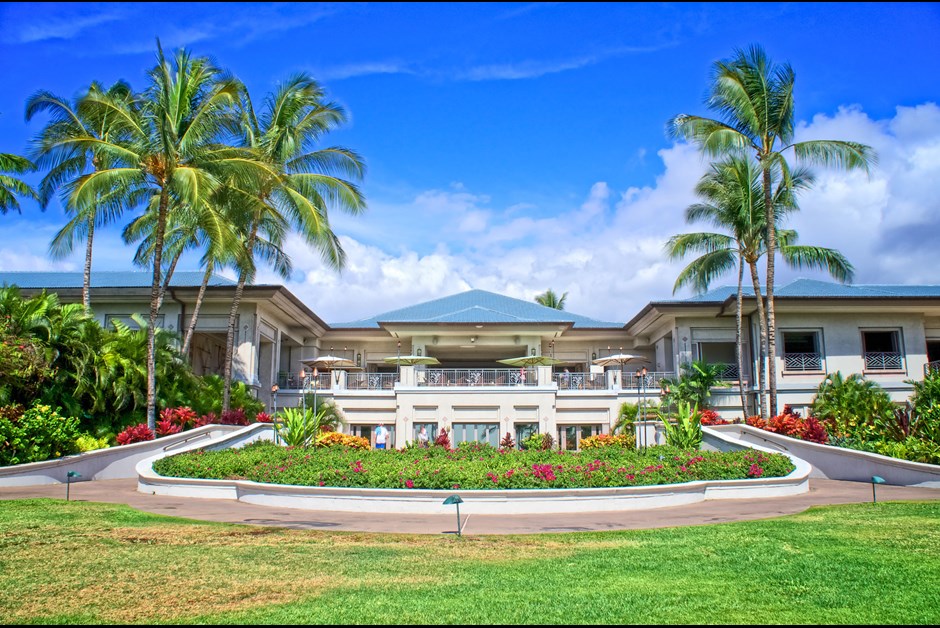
(423, 437)
(381, 436)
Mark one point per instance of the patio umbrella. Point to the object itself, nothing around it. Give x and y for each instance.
(619, 359)
(531, 360)
(412, 360)
(330, 362)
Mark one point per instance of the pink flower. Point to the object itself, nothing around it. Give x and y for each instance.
(409, 483)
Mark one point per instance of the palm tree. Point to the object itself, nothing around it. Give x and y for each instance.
(55, 148)
(10, 186)
(754, 99)
(169, 154)
(304, 183)
(733, 200)
(550, 299)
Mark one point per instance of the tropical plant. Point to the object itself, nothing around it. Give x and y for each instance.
(36, 434)
(166, 153)
(135, 434)
(538, 442)
(732, 200)
(508, 442)
(694, 384)
(626, 441)
(754, 100)
(298, 427)
(208, 398)
(333, 417)
(626, 417)
(926, 392)
(67, 148)
(851, 404)
(552, 300)
(687, 431)
(11, 186)
(300, 185)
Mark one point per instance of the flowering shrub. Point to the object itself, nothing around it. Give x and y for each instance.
(36, 434)
(472, 468)
(135, 434)
(87, 442)
(608, 440)
(336, 439)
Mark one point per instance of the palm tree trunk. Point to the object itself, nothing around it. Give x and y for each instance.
(169, 275)
(230, 338)
(771, 319)
(86, 285)
(762, 351)
(738, 336)
(154, 308)
(192, 320)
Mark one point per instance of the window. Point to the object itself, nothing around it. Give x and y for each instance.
(933, 351)
(430, 428)
(882, 350)
(802, 351)
(569, 436)
(524, 431)
(476, 432)
(368, 431)
(720, 353)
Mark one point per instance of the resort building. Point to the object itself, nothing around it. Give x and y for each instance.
(439, 364)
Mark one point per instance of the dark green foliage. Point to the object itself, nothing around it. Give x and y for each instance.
(694, 385)
(852, 405)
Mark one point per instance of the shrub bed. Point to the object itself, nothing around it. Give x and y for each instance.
(471, 466)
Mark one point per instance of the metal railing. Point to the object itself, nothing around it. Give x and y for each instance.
(931, 367)
(802, 361)
(477, 377)
(293, 382)
(883, 361)
(628, 379)
(580, 381)
(371, 381)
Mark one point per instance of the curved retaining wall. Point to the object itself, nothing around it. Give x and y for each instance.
(107, 464)
(838, 463)
(483, 502)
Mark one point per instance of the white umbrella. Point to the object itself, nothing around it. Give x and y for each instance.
(531, 360)
(330, 362)
(619, 359)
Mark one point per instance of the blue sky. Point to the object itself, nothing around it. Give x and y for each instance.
(515, 147)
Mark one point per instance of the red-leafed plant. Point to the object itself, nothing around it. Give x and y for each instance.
(815, 431)
(443, 439)
(167, 427)
(234, 417)
(756, 421)
(710, 417)
(135, 434)
(264, 417)
(508, 442)
(184, 416)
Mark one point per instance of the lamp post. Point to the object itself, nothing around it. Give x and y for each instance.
(398, 360)
(641, 391)
(274, 389)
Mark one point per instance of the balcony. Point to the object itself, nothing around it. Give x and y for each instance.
(931, 367)
(799, 362)
(443, 378)
(371, 381)
(580, 381)
(629, 379)
(883, 361)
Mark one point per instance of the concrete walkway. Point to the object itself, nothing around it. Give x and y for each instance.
(716, 511)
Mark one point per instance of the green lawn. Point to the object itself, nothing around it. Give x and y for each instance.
(75, 562)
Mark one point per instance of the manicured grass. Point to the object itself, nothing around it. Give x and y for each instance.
(74, 562)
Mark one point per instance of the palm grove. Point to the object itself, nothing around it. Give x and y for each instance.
(750, 190)
(196, 165)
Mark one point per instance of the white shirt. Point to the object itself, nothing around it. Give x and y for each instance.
(381, 435)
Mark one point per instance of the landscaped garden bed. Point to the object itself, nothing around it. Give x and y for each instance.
(471, 466)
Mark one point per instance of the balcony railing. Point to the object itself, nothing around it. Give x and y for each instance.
(883, 361)
(477, 377)
(628, 379)
(802, 361)
(931, 367)
(293, 382)
(580, 381)
(371, 381)
(730, 373)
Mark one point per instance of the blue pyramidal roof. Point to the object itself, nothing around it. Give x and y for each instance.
(477, 306)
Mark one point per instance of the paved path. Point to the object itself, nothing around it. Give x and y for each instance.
(714, 511)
